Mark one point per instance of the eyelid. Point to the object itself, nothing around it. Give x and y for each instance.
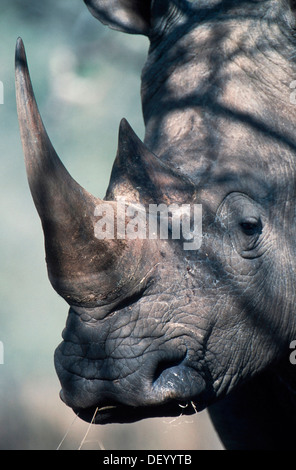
(250, 220)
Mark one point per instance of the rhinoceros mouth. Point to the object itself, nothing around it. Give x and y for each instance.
(177, 390)
(128, 414)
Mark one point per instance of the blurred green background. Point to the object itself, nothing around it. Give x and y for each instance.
(86, 78)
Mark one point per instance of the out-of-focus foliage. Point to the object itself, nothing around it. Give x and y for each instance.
(86, 78)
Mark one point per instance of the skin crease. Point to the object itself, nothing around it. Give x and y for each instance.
(211, 326)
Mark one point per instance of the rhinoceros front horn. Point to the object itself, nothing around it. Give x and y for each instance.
(82, 268)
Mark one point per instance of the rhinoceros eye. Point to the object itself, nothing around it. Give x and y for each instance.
(242, 222)
(251, 227)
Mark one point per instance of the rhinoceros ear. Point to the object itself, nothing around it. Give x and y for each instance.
(129, 16)
(139, 175)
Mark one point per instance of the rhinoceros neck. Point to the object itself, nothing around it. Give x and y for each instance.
(267, 404)
(209, 89)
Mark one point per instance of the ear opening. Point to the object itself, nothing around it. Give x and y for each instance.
(129, 16)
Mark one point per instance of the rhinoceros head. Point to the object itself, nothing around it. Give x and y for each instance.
(163, 325)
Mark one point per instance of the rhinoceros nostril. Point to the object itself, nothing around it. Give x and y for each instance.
(165, 365)
(176, 380)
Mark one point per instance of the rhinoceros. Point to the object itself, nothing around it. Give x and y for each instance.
(156, 328)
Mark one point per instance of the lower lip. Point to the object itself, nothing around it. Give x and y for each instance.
(128, 414)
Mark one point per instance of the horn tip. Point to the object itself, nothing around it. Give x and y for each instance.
(19, 41)
(126, 132)
(124, 126)
(128, 142)
(20, 54)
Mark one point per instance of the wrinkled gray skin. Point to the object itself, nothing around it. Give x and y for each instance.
(212, 327)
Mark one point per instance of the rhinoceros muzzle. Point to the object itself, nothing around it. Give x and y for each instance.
(122, 377)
